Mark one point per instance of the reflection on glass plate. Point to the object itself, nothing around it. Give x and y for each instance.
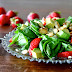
(5, 43)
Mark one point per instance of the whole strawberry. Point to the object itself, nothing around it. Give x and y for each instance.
(32, 16)
(11, 13)
(54, 14)
(2, 10)
(4, 20)
(34, 44)
(15, 20)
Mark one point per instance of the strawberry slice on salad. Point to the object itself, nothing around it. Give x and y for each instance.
(10, 40)
(34, 44)
(65, 54)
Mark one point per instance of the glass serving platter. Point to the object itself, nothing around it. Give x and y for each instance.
(5, 43)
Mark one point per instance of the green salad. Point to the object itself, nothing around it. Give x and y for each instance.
(44, 39)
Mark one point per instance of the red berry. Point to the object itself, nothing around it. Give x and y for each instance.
(70, 52)
(30, 53)
(71, 40)
(14, 26)
(55, 14)
(2, 10)
(32, 16)
(11, 14)
(34, 44)
(4, 20)
(63, 54)
(20, 20)
(15, 20)
(10, 40)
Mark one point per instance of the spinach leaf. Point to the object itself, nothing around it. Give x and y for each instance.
(69, 19)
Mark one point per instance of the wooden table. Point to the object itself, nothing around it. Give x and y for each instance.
(9, 63)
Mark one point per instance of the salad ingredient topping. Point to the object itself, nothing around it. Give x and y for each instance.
(10, 40)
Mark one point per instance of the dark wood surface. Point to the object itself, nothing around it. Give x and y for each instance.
(9, 63)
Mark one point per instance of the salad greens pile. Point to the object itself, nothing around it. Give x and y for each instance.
(55, 35)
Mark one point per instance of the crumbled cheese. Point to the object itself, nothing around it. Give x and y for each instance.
(50, 34)
(24, 52)
(69, 57)
(17, 50)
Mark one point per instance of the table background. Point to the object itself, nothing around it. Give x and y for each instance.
(9, 63)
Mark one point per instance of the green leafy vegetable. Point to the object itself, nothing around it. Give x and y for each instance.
(69, 19)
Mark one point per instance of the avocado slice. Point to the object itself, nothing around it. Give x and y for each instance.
(66, 31)
(61, 21)
(64, 34)
(50, 23)
(36, 53)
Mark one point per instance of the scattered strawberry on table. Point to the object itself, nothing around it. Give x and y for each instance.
(2, 10)
(9, 18)
(4, 20)
(11, 13)
(32, 16)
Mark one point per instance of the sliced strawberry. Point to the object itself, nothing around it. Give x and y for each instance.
(4, 20)
(14, 26)
(63, 54)
(10, 40)
(70, 52)
(2, 10)
(32, 16)
(11, 14)
(34, 44)
(30, 53)
(71, 40)
(44, 21)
